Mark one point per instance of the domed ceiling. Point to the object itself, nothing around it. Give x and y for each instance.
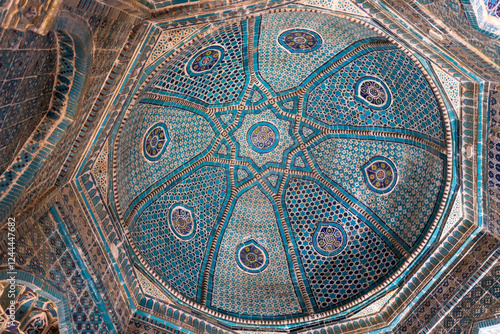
(282, 166)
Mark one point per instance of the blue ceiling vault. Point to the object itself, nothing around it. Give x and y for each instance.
(251, 166)
(282, 166)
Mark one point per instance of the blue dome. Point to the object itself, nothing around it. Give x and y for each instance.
(272, 168)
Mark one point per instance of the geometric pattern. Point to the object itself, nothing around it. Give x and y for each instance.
(365, 254)
(205, 61)
(299, 162)
(224, 241)
(190, 135)
(380, 174)
(414, 106)
(256, 97)
(251, 257)
(224, 84)
(300, 40)
(100, 169)
(156, 141)
(373, 92)
(167, 40)
(273, 180)
(264, 138)
(339, 5)
(336, 34)
(204, 188)
(182, 223)
(253, 215)
(374, 307)
(408, 208)
(33, 313)
(329, 238)
(456, 215)
(42, 251)
(451, 87)
(150, 288)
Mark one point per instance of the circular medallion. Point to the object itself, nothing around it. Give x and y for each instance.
(182, 222)
(373, 92)
(329, 238)
(263, 137)
(252, 257)
(300, 40)
(155, 141)
(205, 61)
(380, 174)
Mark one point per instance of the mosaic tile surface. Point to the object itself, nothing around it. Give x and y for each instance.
(191, 134)
(150, 288)
(414, 105)
(269, 293)
(179, 261)
(42, 251)
(451, 87)
(224, 84)
(168, 40)
(249, 132)
(27, 74)
(33, 312)
(341, 5)
(375, 306)
(408, 208)
(334, 279)
(336, 33)
(455, 217)
(284, 235)
(100, 170)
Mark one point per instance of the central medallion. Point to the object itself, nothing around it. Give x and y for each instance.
(182, 222)
(263, 137)
(205, 61)
(251, 257)
(155, 141)
(329, 238)
(373, 92)
(380, 174)
(300, 40)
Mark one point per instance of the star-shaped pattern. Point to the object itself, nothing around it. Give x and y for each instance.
(277, 132)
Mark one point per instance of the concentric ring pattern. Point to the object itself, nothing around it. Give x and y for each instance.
(305, 161)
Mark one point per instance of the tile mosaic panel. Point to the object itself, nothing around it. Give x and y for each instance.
(168, 40)
(190, 133)
(268, 293)
(374, 307)
(451, 86)
(414, 106)
(178, 261)
(224, 84)
(279, 138)
(337, 34)
(341, 5)
(358, 268)
(150, 288)
(100, 170)
(112, 34)
(456, 215)
(407, 209)
(264, 137)
(27, 73)
(43, 252)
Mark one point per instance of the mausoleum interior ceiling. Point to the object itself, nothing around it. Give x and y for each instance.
(256, 166)
(283, 166)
